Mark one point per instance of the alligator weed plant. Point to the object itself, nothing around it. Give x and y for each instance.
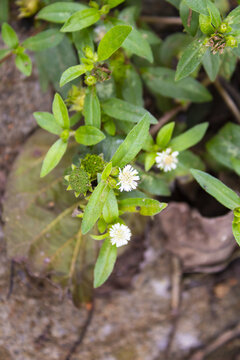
(123, 158)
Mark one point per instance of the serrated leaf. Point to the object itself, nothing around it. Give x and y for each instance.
(59, 12)
(146, 207)
(112, 41)
(190, 59)
(132, 144)
(217, 189)
(44, 40)
(53, 156)
(105, 263)
(9, 36)
(24, 64)
(47, 122)
(92, 109)
(72, 73)
(122, 110)
(81, 20)
(189, 138)
(60, 112)
(94, 207)
(161, 81)
(88, 135)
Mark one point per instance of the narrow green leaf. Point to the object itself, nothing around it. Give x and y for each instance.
(92, 109)
(190, 23)
(105, 263)
(133, 143)
(149, 160)
(214, 14)
(189, 138)
(136, 44)
(146, 207)
(199, 6)
(72, 73)
(236, 231)
(114, 3)
(89, 135)
(190, 59)
(236, 165)
(112, 41)
(47, 121)
(44, 40)
(81, 20)
(217, 189)
(122, 110)
(24, 64)
(59, 12)
(211, 63)
(9, 36)
(107, 171)
(94, 207)
(53, 157)
(165, 134)
(60, 112)
(110, 208)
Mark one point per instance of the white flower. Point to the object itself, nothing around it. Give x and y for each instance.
(167, 160)
(128, 178)
(99, 33)
(119, 234)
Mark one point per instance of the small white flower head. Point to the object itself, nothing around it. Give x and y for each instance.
(99, 33)
(167, 160)
(119, 234)
(128, 178)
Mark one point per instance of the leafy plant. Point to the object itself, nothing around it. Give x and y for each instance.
(111, 153)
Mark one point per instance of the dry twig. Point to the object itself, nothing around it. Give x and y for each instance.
(228, 100)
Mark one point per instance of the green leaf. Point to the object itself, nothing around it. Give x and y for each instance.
(4, 10)
(110, 208)
(9, 36)
(114, 3)
(217, 189)
(88, 135)
(112, 41)
(47, 121)
(149, 160)
(173, 46)
(107, 171)
(53, 156)
(59, 12)
(153, 184)
(211, 63)
(138, 45)
(214, 14)
(225, 146)
(190, 23)
(44, 40)
(4, 52)
(234, 16)
(190, 59)
(72, 73)
(92, 109)
(175, 3)
(24, 64)
(94, 207)
(105, 263)
(236, 165)
(146, 207)
(82, 39)
(60, 112)
(132, 89)
(199, 6)
(133, 143)
(236, 231)
(164, 135)
(161, 81)
(48, 239)
(189, 138)
(122, 110)
(81, 20)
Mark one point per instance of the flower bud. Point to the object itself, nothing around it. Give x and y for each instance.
(105, 9)
(231, 41)
(90, 80)
(88, 52)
